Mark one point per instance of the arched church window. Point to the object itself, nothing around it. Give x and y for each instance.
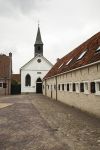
(28, 80)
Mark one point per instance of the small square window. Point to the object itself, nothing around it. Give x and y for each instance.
(1, 84)
(5, 85)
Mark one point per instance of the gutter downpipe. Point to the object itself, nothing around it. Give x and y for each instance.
(45, 88)
(56, 89)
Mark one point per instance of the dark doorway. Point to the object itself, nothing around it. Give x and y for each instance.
(39, 85)
(15, 87)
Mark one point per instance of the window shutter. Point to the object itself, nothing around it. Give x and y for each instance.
(62, 87)
(92, 87)
(74, 87)
(67, 87)
(58, 86)
(4, 85)
(81, 87)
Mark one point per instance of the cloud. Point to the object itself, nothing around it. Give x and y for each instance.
(64, 25)
(13, 8)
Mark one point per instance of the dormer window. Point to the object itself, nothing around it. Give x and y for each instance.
(69, 61)
(81, 55)
(60, 66)
(98, 49)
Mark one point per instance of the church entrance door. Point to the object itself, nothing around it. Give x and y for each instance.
(39, 85)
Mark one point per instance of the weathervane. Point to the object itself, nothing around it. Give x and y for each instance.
(38, 23)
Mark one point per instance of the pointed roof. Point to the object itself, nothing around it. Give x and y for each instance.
(36, 58)
(85, 54)
(38, 38)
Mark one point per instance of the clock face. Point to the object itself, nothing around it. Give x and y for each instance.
(39, 60)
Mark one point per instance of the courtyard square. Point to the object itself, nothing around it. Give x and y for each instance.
(36, 122)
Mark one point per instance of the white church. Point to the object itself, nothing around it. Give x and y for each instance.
(34, 71)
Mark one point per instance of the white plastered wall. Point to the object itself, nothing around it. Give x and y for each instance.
(86, 102)
(32, 68)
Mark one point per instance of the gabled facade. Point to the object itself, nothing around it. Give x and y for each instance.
(34, 71)
(75, 78)
(5, 74)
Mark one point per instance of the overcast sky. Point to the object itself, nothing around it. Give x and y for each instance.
(64, 25)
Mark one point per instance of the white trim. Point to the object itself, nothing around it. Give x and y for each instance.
(69, 61)
(81, 55)
(98, 49)
(65, 87)
(77, 84)
(86, 87)
(60, 66)
(36, 58)
(97, 86)
(70, 87)
(60, 87)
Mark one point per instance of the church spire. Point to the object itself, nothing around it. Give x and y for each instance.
(38, 46)
(38, 38)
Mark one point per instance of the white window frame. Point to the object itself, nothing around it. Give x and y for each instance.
(77, 84)
(70, 87)
(86, 89)
(98, 49)
(69, 61)
(82, 55)
(65, 87)
(2, 84)
(97, 87)
(60, 86)
(60, 66)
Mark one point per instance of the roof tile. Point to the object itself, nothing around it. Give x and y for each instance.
(90, 56)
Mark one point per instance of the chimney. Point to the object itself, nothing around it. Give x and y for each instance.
(58, 59)
(10, 54)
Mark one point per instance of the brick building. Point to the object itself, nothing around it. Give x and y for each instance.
(75, 78)
(5, 74)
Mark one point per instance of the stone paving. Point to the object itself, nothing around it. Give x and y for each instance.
(35, 122)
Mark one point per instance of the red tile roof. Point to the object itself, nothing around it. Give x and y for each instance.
(5, 66)
(91, 55)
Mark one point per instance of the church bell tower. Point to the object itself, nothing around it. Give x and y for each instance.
(38, 46)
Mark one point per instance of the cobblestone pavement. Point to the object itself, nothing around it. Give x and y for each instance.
(35, 122)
